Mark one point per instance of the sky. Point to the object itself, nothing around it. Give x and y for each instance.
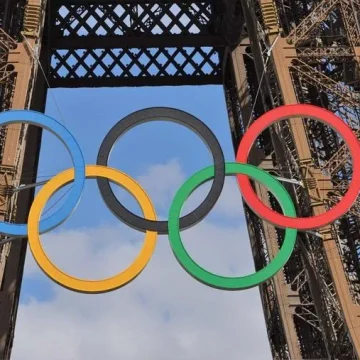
(164, 313)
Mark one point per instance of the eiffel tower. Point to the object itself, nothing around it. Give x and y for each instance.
(265, 53)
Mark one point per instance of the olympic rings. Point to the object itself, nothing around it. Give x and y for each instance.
(182, 118)
(308, 111)
(70, 282)
(175, 224)
(222, 282)
(48, 123)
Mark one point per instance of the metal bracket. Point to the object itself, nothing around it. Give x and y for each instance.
(31, 20)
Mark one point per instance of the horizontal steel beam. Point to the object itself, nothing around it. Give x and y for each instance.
(86, 2)
(155, 41)
(136, 81)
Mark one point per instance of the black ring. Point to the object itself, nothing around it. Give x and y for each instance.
(179, 117)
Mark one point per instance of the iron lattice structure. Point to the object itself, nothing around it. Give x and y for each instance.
(265, 53)
(138, 43)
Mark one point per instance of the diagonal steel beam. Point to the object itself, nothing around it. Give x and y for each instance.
(314, 19)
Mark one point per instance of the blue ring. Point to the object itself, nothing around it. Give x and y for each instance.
(50, 124)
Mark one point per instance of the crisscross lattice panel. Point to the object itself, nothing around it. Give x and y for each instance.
(134, 67)
(138, 43)
(135, 24)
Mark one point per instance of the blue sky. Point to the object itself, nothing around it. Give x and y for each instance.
(170, 313)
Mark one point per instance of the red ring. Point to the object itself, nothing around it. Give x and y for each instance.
(302, 111)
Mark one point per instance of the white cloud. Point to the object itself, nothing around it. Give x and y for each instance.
(164, 314)
(163, 180)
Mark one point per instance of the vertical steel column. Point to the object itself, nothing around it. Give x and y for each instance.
(20, 159)
(282, 61)
(280, 292)
(282, 56)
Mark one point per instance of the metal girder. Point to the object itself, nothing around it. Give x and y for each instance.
(137, 81)
(134, 2)
(135, 67)
(327, 283)
(316, 54)
(350, 10)
(139, 44)
(129, 20)
(314, 19)
(290, 313)
(350, 98)
(113, 42)
(342, 156)
(19, 153)
(342, 100)
(336, 197)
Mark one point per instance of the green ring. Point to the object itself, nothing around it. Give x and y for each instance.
(223, 282)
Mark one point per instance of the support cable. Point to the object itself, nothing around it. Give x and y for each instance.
(10, 239)
(268, 54)
(36, 58)
(28, 186)
(40, 183)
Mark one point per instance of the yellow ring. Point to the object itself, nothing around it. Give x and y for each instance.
(81, 285)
